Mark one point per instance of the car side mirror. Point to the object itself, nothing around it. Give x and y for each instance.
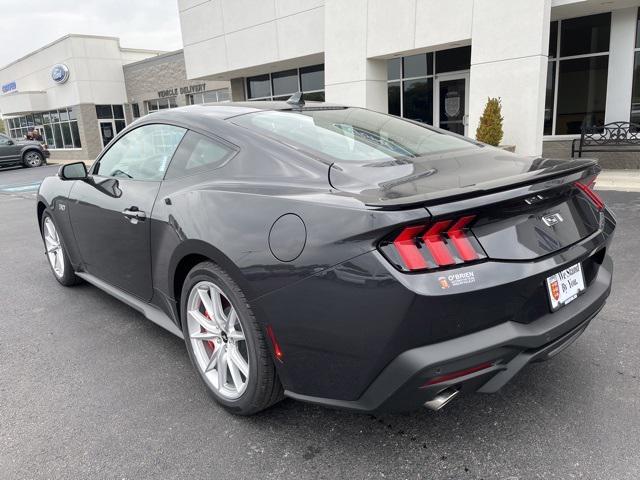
(9, 142)
(73, 171)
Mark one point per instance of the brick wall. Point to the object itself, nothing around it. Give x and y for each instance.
(144, 79)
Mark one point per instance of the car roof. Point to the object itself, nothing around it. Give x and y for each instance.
(227, 110)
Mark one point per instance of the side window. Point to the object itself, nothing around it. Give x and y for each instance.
(4, 140)
(142, 154)
(196, 154)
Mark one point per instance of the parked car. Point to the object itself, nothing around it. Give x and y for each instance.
(333, 254)
(28, 153)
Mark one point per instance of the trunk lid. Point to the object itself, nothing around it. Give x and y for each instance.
(453, 175)
(523, 208)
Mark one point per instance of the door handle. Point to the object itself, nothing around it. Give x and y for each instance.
(133, 214)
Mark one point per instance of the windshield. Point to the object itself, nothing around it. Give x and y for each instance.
(352, 134)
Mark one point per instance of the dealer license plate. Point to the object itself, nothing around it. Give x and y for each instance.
(565, 286)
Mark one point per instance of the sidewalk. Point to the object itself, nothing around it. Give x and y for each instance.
(623, 180)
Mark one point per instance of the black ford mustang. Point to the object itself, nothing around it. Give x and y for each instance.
(332, 254)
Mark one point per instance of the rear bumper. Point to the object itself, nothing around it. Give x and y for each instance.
(506, 347)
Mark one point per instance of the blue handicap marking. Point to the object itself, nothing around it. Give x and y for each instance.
(20, 188)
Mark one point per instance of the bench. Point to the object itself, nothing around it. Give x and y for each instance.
(612, 137)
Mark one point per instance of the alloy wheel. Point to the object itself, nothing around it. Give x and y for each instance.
(54, 247)
(33, 159)
(218, 340)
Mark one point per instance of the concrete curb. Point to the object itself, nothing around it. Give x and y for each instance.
(622, 180)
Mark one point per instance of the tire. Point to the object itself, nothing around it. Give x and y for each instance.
(56, 254)
(261, 387)
(32, 158)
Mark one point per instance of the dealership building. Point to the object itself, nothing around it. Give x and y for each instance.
(557, 65)
(79, 91)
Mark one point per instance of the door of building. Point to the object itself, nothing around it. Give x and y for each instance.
(107, 131)
(452, 102)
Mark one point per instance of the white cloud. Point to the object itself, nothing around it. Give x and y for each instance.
(30, 24)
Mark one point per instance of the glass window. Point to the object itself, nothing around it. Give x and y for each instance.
(119, 125)
(37, 118)
(550, 96)
(352, 134)
(118, 111)
(553, 39)
(583, 35)
(64, 115)
(196, 154)
(393, 69)
(258, 86)
(73, 113)
(415, 66)
(48, 136)
(142, 154)
(582, 91)
(285, 82)
(223, 95)
(75, 134)
(314, 97)
(210, 96)
(394, 98)
(638, 30)
(417, 99)
(135, 109)
(104, 111)
(635, 93)
(66, 135)
(453, 59)
(57, 136)
(312, 78)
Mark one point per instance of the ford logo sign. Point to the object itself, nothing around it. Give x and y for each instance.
(60, 73)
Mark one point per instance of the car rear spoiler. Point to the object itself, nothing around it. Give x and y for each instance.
(548, 174)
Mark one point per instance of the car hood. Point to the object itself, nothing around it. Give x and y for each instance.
(407, 181)
(23, 143)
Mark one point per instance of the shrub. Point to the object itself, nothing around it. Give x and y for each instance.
(490, 128)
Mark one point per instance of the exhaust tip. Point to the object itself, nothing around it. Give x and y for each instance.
(442, 398)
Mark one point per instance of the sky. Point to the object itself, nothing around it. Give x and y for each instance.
(26, 25)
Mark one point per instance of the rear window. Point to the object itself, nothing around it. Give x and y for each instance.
(352, 134)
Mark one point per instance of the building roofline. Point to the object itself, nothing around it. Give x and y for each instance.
(79, 35)
(156, 58)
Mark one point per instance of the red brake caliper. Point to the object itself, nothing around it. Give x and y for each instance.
(210, 343)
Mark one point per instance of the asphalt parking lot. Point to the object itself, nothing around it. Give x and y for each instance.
(90, 389)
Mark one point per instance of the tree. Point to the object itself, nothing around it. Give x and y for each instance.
(490, 128)
(1, 124)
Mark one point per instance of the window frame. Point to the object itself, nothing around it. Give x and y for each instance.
(636, 65)
(233, 151)
(50, 119)
(431, 67)
(557, 59)
(271, 97)
(122, 134)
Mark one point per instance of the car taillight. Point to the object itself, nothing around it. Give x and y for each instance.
(587, 187)
(440, 244)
